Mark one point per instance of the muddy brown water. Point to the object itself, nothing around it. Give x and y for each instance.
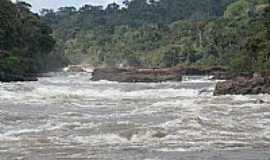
(67, 116)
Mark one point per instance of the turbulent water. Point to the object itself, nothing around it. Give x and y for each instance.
(67, 116)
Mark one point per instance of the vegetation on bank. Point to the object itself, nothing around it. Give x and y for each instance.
(149, 33)
(25, 41)
(231, 33)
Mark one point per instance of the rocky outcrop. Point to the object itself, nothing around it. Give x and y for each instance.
(262, 8)
(152, 74)
(5, 77)
(223, 75)
(255, 84)
(136, 75)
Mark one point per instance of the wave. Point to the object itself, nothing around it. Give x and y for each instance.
(54, 93)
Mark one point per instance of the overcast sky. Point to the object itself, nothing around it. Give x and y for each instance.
(54, 4)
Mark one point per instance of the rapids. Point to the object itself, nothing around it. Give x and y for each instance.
(67, 116)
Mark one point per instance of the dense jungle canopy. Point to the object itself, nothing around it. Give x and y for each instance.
(149, 33)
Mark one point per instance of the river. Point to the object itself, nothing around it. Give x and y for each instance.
(67, 116)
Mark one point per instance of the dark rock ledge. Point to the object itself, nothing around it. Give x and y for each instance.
(256, 84)
(5, 77)
(136, 75)
(151, 74)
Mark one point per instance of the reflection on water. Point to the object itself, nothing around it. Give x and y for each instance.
(67, 116)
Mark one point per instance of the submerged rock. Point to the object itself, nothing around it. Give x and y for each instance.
(244, 85)
(159, 134)
(136, 75)
(259, 101)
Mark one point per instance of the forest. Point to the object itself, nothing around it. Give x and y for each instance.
(165, 33)
(26, 43)
(234, 34)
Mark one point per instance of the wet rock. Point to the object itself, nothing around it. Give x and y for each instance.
(152, 74)
(128, 134)
(262, 8)
(6, 77)
(159, 134)
(259, 101)
(244, 85)
(205, 90)
(73, 68)
(192, 70)
(224, 75)
(136, 75)
(78, 68)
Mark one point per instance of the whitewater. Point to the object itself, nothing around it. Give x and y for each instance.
(68, 116)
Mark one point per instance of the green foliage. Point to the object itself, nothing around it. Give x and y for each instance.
(238, 9)
(229, 33)
(24, 39)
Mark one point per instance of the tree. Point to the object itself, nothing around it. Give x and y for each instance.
(24, 39)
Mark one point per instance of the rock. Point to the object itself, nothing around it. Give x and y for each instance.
(5, 77)
(192, 70)
(224, 75)
(128, 134)
(78, 68)
(204, 90)
(136, 75)
(262, 8)
(215, 69)
(159, 134)
(73, 68)
(244, 85)
(259, 101)
(153, 74)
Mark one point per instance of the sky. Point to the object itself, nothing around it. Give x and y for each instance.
(37, 5)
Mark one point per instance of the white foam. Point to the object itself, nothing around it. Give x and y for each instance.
(8, 138)
(99, 139)
(71, 87)
(21, 131)
(179, 149)
(167, 105)
(53, 93)
(241, 98)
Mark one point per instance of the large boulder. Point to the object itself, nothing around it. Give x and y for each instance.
(244, 85)
(136, 75)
